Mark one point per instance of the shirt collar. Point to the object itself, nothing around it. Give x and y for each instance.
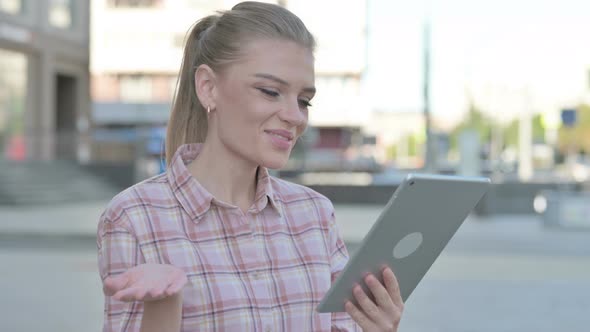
(195, 199)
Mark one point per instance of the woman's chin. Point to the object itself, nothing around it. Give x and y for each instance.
(275, 162)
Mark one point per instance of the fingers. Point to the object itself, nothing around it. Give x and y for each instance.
(365, 303)
(113, 284)
(177, 285)
(380, 293)
(385, 311)
(392, 286)
(146, 282)
(142, 293)
(134, 293)
(146, 292)
(358, 316)
(157, 292)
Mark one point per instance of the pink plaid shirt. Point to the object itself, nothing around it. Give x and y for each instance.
(265, 270)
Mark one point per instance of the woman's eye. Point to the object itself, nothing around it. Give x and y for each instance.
(304, 103)
(269, 92)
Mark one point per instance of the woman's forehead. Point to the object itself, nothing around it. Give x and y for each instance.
(286, 60)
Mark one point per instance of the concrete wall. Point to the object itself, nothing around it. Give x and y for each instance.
(502, 198)
(515, 197)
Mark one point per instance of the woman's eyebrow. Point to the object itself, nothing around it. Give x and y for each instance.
(282, 81)
(272, 78)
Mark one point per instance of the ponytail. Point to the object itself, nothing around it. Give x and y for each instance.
(188, 118)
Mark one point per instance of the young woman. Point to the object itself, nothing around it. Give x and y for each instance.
(215, 243)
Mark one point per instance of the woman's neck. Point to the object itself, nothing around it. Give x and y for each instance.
(226, 176)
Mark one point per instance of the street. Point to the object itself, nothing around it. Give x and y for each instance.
(497, 274)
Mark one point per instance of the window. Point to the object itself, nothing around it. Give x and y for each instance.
(201, 4)
(60, 13)
(134, 3)
(135, 88)
(13, 94)
(13, 7)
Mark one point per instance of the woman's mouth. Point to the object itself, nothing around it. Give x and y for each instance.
(281, 139)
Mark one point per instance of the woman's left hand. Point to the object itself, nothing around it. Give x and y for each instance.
(384, 315)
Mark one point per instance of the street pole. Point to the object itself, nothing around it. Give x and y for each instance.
(525, 140)
(429, 157)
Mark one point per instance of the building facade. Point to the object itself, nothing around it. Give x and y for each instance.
(136, 50)
(44, 80)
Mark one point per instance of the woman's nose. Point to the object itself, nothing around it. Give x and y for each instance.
(293, 113)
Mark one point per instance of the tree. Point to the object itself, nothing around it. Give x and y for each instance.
(475, 119)
(510, 133)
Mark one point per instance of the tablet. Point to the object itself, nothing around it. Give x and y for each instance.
(414, 227)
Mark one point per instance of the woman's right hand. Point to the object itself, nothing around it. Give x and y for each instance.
(146, 282)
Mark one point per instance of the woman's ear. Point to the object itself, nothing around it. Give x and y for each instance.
(205, 84)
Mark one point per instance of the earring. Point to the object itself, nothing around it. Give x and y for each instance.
(208, 110)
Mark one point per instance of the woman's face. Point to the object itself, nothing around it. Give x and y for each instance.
(261, 101)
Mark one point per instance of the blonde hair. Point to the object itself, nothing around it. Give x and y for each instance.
(215, 41)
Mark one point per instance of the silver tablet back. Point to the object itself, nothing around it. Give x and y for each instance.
(416, 224)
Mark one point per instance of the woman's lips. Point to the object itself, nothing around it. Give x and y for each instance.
(280, 138)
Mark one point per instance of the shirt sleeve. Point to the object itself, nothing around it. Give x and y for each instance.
(341, 321)
(118, 250)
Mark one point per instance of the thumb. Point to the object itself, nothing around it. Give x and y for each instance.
(113, 284)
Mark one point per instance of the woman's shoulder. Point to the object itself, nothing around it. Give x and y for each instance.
(149, 193)
(289, 193)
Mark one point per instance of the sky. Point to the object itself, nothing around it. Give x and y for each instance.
(507, 55)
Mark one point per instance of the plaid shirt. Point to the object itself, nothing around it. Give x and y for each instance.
(265, 270)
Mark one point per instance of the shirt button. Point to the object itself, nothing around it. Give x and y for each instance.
(257, 275)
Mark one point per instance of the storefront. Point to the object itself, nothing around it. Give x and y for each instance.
(44, 80)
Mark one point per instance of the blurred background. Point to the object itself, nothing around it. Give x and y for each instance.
(492, 88)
